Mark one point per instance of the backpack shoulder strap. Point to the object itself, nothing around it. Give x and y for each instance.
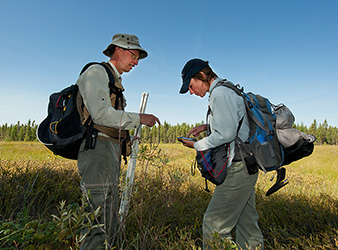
(110, 74)
(248, 101)
(237, 88)
(112, 87)
(109, 70)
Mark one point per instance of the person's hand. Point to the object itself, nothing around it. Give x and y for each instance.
(149, 120)
(188, 143)
(135, 138)
(197, 130)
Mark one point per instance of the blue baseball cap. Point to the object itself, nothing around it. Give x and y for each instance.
(189, 70)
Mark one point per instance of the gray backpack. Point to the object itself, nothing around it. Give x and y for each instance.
(272, 142)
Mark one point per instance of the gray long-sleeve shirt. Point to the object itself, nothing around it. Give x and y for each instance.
(93, 87)
(227, 109)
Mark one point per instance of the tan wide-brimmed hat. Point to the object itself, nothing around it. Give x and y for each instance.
(126, 41)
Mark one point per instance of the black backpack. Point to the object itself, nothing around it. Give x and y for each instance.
(61, 131)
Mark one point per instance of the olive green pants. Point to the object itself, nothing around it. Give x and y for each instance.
(233, 206)
(99, 169)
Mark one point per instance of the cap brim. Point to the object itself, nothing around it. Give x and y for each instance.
(185, 86)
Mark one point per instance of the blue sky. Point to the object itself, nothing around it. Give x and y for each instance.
(284, 50)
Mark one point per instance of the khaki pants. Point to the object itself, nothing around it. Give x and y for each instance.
(233, 205)
(99, 169)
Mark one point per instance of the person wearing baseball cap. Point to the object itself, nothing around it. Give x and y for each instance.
(233, 202)
(99, 162)
(191, 68)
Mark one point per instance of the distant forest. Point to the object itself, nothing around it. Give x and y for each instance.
(167, 133)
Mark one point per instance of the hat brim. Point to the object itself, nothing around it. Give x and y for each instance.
(143, 53)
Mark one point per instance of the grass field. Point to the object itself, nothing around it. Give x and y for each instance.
(167, 204)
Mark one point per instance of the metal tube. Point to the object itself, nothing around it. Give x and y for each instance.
(125, 200)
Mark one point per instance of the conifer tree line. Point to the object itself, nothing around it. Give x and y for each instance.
(19, 132)
(167, 133)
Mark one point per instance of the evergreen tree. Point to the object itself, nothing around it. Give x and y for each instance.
(22, 133)
(302, 128)
(13, 133)
(167, 133)
(313, 128)
(28, 132)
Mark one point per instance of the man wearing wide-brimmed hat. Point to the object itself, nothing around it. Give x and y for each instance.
(99, 166)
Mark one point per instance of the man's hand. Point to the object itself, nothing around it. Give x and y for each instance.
(149, 120)
(197, 130)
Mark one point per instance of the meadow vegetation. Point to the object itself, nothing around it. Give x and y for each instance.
(42, 206)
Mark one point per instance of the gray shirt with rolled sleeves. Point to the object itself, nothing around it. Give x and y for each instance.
(93, 87)
(227, 109)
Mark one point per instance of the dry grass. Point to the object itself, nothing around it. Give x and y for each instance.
(168, 202)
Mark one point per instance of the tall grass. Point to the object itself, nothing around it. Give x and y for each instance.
(324, 163)
(167, 204)
(24, 151)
